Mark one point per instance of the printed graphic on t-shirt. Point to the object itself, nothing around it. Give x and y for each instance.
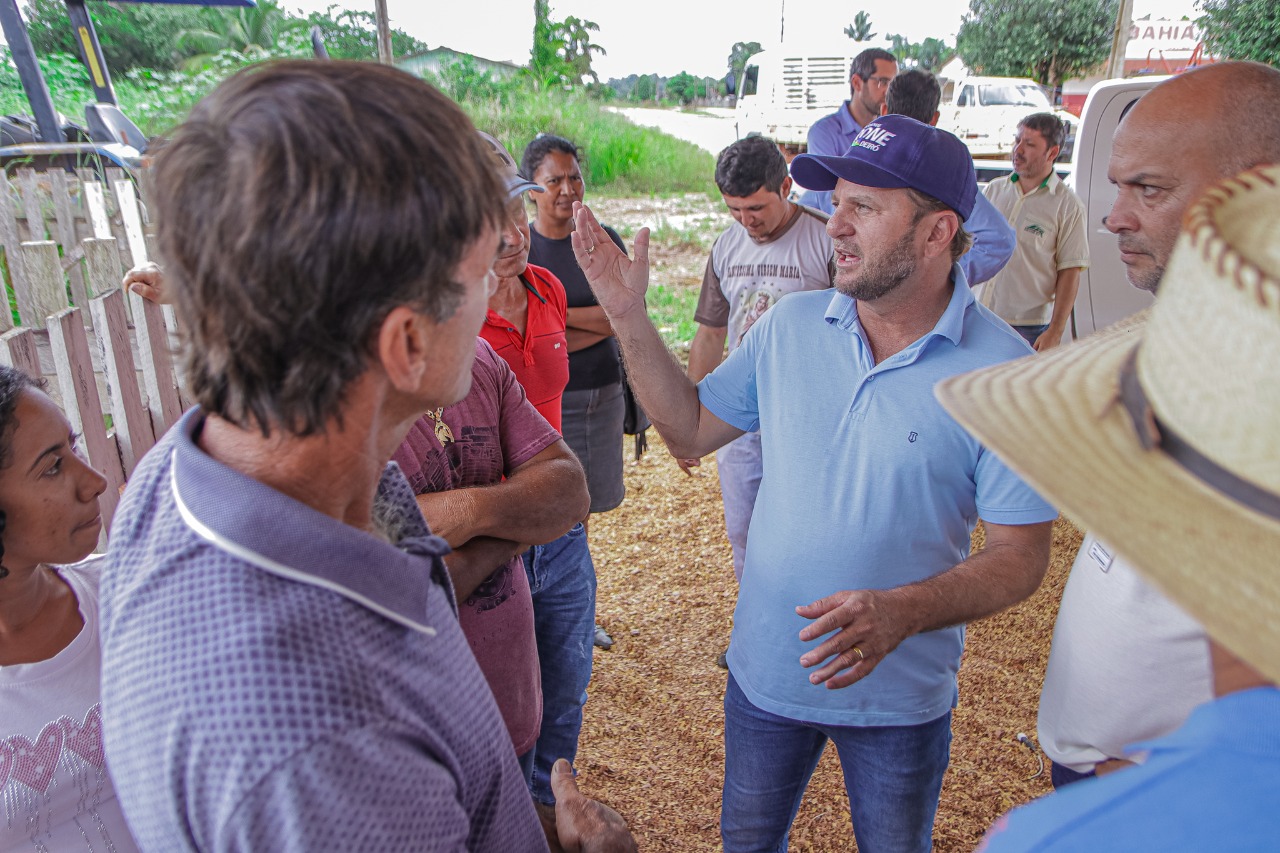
(753, 306)
(474, 456)
(59, 777)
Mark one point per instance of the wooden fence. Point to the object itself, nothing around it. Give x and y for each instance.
(67, 241)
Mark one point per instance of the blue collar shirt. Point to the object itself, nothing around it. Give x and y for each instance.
(868, 484)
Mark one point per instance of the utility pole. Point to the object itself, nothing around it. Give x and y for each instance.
(384, 32)
(1120, 39)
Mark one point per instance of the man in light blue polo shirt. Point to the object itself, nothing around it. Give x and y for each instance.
(858, 577)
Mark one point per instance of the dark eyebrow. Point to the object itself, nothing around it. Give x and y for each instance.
(54, 448)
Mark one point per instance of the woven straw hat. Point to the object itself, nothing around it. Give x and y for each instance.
(1163, 436)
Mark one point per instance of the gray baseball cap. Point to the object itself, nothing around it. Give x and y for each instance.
(516, 182)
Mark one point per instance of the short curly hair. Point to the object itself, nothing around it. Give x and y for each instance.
(749, 164)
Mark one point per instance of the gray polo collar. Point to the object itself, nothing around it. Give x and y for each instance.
(293, 541)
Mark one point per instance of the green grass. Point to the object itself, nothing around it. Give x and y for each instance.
(617, 156)
(671, 310)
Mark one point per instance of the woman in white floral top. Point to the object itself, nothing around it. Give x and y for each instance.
(55, 793)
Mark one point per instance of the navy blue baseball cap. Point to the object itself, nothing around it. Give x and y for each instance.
(896, 151)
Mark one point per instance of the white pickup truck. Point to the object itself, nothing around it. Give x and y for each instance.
(984, 112)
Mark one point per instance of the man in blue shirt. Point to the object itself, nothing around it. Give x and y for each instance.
(869, 76)
(916, 94)
(1160, 436)
(283, 667)
(858, 576)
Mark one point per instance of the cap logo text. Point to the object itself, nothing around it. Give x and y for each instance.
(873, 138)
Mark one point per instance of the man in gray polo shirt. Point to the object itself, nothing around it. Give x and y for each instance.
(283, 667)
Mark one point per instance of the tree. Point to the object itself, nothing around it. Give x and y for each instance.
(252, 31)
(562, 50)
(929, 55)
(352, 34)
(1242, 29)
(576, 47)
(646, 88)
(1049, 40)
(685, 88)
(860, 29)
(738, 56)
(132, 35)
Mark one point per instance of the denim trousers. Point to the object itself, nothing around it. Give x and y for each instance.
(1030, 333)
(740, 468)
(893, 775)
(562, 579)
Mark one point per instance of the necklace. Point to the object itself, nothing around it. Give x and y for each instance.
(444, 435)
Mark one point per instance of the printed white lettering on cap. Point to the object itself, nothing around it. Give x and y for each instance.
(872, 137)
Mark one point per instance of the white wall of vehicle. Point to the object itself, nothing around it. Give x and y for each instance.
(1105, 296)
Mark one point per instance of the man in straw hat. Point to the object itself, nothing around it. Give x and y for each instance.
(283, 667)
(1162, 437)
(858, 576)
(1127, 664)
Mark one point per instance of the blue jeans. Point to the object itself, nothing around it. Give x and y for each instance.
(1061, 775)
(893, 775)
(562, 579)
(1030, 333)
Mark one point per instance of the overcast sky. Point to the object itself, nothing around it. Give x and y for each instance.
(669, 36)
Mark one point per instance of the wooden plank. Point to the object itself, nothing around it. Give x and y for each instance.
(127, 203)
(157, 363)
(129, 415)
(10, 240)
(65, 220)
(95, 205)
(46, 290)
(18, 349)
(102, 261)
(82, 405)
(29, 188)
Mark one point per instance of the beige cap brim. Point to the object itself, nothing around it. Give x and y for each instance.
(1055, 418)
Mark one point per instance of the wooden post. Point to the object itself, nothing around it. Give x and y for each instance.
(384, 32)
(10, 240)
(157, 363)
(18, 349)
(27, 187)
(102, 260)
(66, 234)
(129, 415)
(81, 403)
(1120, 40)
(46, 290)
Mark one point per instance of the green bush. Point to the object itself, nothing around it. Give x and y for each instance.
(619, 158)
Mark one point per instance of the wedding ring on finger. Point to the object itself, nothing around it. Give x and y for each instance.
(857, 651)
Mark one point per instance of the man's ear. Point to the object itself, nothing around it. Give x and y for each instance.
(1054, 152)
(401, 348)
(946, 224)
(785, 189)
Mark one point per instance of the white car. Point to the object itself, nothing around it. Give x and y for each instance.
(984, 112)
